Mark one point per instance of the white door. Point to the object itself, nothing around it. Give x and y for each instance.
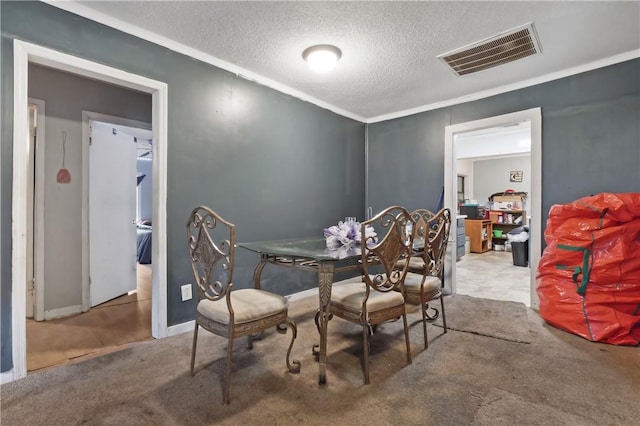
(112, 212)
(31, 300)
(35, 216)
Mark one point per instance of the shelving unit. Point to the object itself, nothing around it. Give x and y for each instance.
(479, 232)
(506, 220)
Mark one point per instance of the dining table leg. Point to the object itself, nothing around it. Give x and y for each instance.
(325, 280)
(257, 273)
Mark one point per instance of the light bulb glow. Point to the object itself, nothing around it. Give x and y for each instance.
(322, 57)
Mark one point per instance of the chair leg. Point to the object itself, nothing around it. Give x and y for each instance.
(292, 366)
(193, 348)
(406, 337)
(444, 318)
(315, 349)
(316, 319)
(423, 308)
(252, 337)
(227, 385)
(365, 352)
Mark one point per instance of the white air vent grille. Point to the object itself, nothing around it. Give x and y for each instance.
(501, 49)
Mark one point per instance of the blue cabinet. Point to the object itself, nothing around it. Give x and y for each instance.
(460, 238)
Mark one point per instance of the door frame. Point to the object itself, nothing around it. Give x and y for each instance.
(36, 239)
(534, 115)
(87, 117)
(22, 184)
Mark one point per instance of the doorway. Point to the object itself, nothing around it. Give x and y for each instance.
(534, 116)
(22, 183)
(34, 297)
(124, 312)
(488, 162)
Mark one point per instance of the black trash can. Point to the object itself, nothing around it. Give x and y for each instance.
(520, 248)
(520, 253)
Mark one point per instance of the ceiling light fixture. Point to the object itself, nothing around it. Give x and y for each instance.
(322, 57)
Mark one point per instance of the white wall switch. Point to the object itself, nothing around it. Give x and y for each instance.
(186, 292)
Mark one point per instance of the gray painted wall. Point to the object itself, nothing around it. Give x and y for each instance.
(276, 166)
(406, 161)
(66, 95)
(590, 139)
(491, 176)
(6, 168)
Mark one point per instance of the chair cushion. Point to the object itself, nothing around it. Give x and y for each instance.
(415, 263)
(413, 281)
(249, 304)
(348, 295)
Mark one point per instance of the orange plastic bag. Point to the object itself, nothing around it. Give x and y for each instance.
(588, 279)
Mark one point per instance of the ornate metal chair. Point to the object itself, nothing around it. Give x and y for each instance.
(424, 280)
(220, 309)
(370, 300)
(421, 218)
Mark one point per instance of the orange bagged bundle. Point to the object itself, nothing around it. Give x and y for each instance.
(588, 279)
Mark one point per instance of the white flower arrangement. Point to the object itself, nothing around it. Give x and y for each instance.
(346, 234)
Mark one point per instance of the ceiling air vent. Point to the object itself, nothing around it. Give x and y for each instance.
(500, 49)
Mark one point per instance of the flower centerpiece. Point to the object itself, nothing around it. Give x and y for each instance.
(347, 234)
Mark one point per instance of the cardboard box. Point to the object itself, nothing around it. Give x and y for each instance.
(494, 217)
(508, 205)
(508, 198)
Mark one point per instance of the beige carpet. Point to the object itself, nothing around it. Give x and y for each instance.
(485, 317)
(462, 379)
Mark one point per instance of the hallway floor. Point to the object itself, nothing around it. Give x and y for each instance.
(492, 275)
(104, 328)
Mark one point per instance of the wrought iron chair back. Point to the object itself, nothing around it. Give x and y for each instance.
(212, 262)
(395, 231)
(439, 227)
(421, 217)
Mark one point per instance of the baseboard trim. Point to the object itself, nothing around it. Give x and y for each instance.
(302, 294)
(174, 330)
(6, 377)
(62, 312)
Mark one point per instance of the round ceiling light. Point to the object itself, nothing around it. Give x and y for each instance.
(322, 57)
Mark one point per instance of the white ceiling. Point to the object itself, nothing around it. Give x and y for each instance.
(495, 142)
(389, 64)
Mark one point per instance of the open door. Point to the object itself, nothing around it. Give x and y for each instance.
(35, 212)
(30, 287)
(112, 212)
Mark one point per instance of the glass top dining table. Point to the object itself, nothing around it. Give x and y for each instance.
(310, 248)
(309, 254)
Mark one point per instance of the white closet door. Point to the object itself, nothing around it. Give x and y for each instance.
(112, 212)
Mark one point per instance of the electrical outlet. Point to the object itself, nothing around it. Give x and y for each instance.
(186, 292)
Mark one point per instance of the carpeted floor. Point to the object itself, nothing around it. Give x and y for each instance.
(466, 377)
(506, 320)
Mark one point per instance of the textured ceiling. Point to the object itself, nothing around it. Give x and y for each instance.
(389, 65)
